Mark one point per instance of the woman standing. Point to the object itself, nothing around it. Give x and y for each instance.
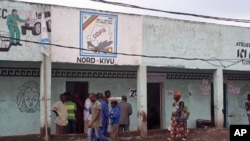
(179, 119)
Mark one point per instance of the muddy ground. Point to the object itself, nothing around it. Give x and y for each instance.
(206, 134)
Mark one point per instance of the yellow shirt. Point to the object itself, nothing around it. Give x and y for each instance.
(96, 106)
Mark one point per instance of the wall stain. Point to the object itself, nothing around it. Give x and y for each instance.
(242, 97)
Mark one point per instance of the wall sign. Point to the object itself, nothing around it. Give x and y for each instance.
(98, 38)
(132, 92)
(243, 52)
(170, 93)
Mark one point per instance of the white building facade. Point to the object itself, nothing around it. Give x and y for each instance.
(145, 58)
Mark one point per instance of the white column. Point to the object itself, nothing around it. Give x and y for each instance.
(45, 97)
(218, 97)
(142, 100)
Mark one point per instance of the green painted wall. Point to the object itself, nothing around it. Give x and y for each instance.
(118, 87)
(236, 96)
(19, 106)
(198, 103)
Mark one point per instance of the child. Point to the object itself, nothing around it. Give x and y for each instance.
(114, 121)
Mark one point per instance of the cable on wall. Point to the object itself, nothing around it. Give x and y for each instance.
(213, 59)
(172, 12)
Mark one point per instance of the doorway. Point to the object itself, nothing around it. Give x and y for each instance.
(225, 104)
(154, 105)
(80, 88)
(212, 105)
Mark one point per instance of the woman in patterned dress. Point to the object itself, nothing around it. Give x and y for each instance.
(178, 120)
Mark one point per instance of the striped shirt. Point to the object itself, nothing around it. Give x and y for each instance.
(71, 108)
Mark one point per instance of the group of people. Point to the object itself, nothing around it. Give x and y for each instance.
(67, 110)
(96, 115)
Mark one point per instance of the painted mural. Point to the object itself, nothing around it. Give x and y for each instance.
(98, 37)
(19, 27)
(27, 97)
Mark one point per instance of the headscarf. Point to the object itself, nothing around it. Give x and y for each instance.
(177, 94)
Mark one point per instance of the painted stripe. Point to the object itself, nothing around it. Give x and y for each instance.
(88, 22)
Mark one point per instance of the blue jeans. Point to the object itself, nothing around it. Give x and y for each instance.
(94, 133)
(71, 127)
(103, 132)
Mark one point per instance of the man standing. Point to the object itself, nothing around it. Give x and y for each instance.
(71, 108)
(60, 109)
(79, 113)
(125, 112)
(87, 114)
(12, 23)
(107, 94)
(96, 120)
(114, 120)
(104, 113)
(248, 107)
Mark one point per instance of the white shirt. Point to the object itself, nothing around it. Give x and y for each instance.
(87, 105)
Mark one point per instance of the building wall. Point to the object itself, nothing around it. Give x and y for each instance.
(185, 39)
(19, 102)
(98, 31)
(117, 86)
(194, 95)
(236, 95)
(28, 51)
(116, 33)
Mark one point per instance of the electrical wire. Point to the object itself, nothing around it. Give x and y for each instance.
(172, 12)
(213, 59)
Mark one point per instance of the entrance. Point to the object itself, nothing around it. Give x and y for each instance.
(79, 92)
(212, 105)
(154, 105)
(225, 104)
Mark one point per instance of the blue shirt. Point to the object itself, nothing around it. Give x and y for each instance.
(104, 113)
(114, 115)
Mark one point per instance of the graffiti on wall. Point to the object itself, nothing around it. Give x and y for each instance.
(237, 118)
(27, 97)
(242, 97)
(98, 38)
(233, 88)
(205, 87)
(17, 26)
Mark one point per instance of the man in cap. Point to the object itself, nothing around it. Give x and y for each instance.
(125, 112)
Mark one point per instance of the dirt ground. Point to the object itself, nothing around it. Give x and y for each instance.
(206, 134)
(198, 134)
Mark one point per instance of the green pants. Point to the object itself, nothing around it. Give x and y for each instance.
(14, 34)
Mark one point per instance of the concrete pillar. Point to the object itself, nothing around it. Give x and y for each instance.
(142, 100)
(218, 97)
(45, 98)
